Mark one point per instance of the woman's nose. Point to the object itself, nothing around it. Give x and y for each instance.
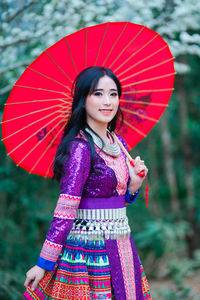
(106, 99)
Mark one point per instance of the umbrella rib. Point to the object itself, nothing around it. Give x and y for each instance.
(85, 47)
(47, 77)
(137, 114)
(58, 66)
(115, 43)
(33, 134)
(48, 146)
(143, 102)
(25, 127)
(37, 100)
(71, 56)
(33, 112)
(101, 44)
(149, 79)
(54, 157)
(133, 127)
(147, 69)
(127, 46)
(40, 89)
(142, 60)
(133, 54)
(146, 91)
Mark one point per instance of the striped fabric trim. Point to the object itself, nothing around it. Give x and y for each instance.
(50, 250)
(67, 206)
(65, 209)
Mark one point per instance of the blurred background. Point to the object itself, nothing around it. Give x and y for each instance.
(167, 233)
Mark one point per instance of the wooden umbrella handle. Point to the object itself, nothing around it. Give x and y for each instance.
(142, 173)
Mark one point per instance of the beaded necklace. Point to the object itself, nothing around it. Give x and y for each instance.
(111, 149)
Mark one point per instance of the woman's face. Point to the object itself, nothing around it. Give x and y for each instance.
(102, 105)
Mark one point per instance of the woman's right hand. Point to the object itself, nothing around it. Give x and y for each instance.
(35, 273)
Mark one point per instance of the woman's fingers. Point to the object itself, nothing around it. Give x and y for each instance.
(144, 168)
(138, 160)
(35, 274)
(35, 283)
(139, 165)
(28, 280)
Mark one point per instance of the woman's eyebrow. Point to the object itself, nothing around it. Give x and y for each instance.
(102, 90)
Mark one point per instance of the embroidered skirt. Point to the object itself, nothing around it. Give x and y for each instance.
(94, 269)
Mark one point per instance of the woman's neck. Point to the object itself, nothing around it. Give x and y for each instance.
(101, 130)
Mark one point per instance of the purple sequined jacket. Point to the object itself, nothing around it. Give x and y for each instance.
(79, 183)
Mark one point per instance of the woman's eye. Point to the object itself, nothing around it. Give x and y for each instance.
(97, 94)
(114, 94)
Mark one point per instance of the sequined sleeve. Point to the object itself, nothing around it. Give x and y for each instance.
(129, 197)
(76, 171)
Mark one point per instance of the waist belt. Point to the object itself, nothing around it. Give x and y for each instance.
(101, 223)
(101, 214)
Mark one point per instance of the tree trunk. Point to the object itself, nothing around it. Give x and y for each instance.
(191, 237)
(168, 160)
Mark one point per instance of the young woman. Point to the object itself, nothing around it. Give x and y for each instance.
(89, 252)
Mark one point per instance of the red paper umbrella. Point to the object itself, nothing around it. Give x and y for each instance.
(39, 105)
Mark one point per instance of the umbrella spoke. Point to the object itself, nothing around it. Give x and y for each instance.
(150, 79)
(33, 123)
(146, 91)
(58, 66)
(143, 102)
(63, 100)
(40, 89)
(101, 44)
(33, 135)
(85, 47)
(138, 114)
(147, 69)
(115, 43)
(127, 46)
(47, 77)
(33, 112)
(134, 128)
(49, 145)
(133, 54)
(142, 60)
(70, 53)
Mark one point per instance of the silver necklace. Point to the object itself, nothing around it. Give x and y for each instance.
(111, 149)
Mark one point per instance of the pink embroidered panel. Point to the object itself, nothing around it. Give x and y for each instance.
(127, 264)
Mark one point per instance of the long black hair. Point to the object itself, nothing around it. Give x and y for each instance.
(84, 85)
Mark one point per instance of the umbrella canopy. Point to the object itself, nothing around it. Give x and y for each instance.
(40, 102)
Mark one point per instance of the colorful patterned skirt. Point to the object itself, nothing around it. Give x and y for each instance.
(88, 269)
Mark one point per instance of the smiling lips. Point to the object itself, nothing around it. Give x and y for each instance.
(105, 109)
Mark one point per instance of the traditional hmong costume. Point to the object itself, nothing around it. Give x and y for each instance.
(89, 252)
